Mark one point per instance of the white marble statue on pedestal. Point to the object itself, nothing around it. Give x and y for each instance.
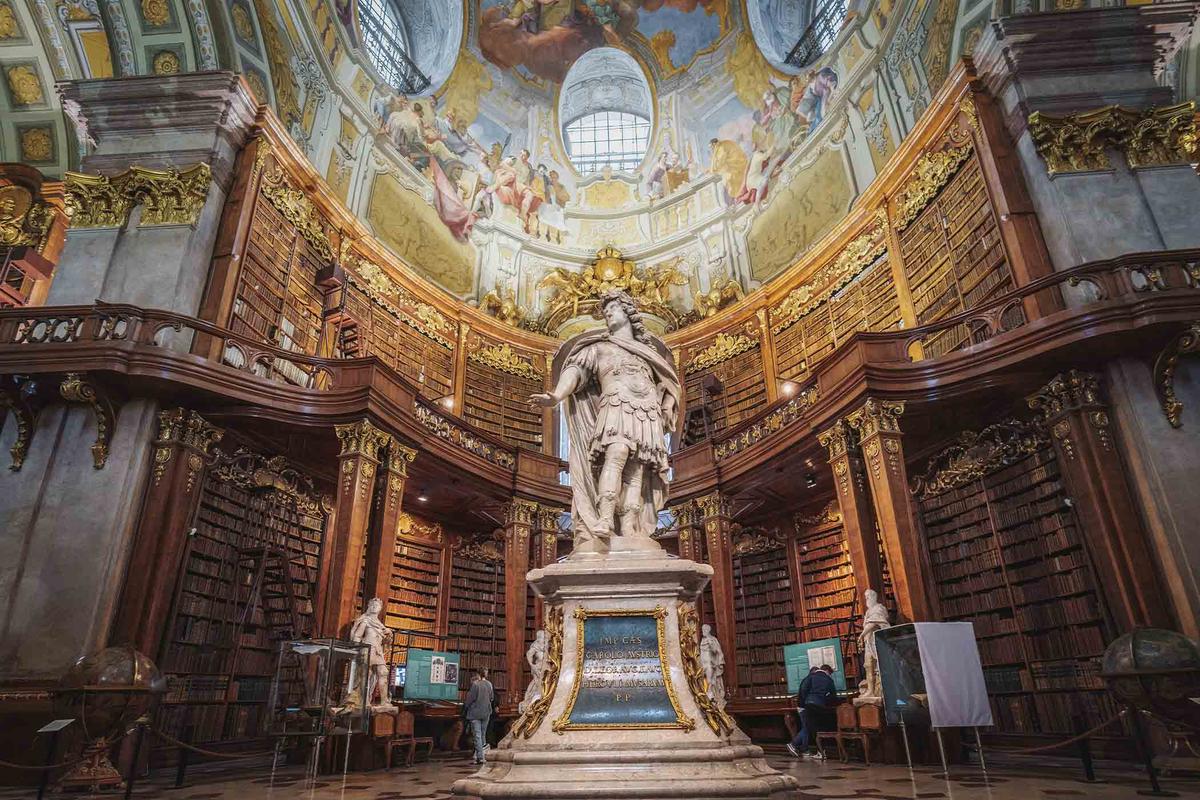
(875, 619)
(536, 656)
(712, 661)
(622, 395)
(368, 629)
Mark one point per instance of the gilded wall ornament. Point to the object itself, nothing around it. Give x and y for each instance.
(167, 197)
(444, 428)
(37, 144)
(721, 295)
(166, 62)
(487, 550)
(528, 724)
(24, 85)
(723, 348)
(76, 388)
(501, 303)
(361, 439)
(1080, 142)
(716, 718)
(256, 473)
(157, 14)
(777, 420)
(292, 203)
(14, 399)
(1164, 136)
(9, 29)
(23, 220)
(505, 359)
(976, 454)
(576, 293)
(1165, 366)
(95, 201)
(831, 513)
(932, 172)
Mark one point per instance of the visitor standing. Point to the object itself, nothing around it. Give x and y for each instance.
(478, 709)
(815, 701)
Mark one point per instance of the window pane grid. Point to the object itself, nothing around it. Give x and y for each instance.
(614, 139)
(383, 41)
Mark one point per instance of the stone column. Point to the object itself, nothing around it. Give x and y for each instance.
(1104, 181)
(181, 455)
(357, 464)
(519, 517)
(381, 547)
(858, 516)
(1073, 411)
(716, 524)
(878, 427)
(147, 202)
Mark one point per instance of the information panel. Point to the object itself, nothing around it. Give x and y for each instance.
(799, 658)
(621, 674)
(431, 675)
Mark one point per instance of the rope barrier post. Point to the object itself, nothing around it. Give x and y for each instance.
(1085, 748)
(1139, 736)
(51, 745)
(137, 754)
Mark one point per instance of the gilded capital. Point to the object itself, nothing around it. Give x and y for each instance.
(712, 505)
(875, 417)
(361, 439)
(179, 426)
(1163, 136)
(1081, 142)
(1066, 392)
(838, 439)
(95, 201)
(167, 197)
(520, 511)
(399, 457)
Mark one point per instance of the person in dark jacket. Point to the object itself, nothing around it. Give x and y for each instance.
(815, 701)
(477, 708)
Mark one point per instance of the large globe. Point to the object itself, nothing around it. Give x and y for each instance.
(106, 691)
(1155, 670)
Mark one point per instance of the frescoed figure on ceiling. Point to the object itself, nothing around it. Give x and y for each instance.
(545, 37)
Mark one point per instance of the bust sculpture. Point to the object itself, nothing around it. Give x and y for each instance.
(536, 656)
(875, 619)
(712, 661)
(368, 629)
(622, 394)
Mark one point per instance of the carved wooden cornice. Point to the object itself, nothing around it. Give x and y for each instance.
(502, 357)
(932, 172)
(775, 421)
(255, 473)
(723, 348)
(1186, 343)
(860, 253)
(1080, 142)
(167, 197)
(875, 417)
(975, 454)
(78, 388)
(361, 439)
(396, 300)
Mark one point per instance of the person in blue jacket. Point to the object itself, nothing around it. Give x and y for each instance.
(815, 702)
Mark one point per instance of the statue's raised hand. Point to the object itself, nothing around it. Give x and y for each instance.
(543, 400)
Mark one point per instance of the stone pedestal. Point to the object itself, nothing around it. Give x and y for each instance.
(581, 740)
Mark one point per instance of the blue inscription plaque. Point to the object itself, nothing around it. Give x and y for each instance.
(622, 679)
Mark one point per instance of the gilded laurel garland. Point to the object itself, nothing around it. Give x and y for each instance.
(689, 649)
(860, 253)
(76, 388)
(723, 348)
(1081, 142)
(444, 428)
(1165, 366)
(778, 419)
(932, 172)
(167, 197)
(505, 359)
(976, 454)
(536, 712)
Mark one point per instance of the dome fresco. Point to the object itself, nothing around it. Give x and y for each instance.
(777, 25)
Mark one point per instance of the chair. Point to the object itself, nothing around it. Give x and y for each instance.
(858, 724)
(403, 737)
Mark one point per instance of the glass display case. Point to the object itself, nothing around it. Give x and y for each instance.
(318, 688)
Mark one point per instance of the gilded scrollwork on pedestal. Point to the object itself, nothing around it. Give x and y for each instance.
(1165, 366)
(536, 712)
(76, 388)
(717, 718)
(167, 197)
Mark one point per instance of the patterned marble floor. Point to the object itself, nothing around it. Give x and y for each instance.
(1015, 780)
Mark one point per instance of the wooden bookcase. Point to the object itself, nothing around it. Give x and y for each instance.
(1008, 556)
(222, 640)
(743, 390)
(499, 381)
(763, 611)
(415, 591)
(365, 327)
(477, 617)
(953, 256)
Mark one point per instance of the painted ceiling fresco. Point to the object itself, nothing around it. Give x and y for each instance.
(541, 39)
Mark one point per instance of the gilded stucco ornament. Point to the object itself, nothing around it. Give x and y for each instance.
(502, 304)
(1165, 366)
(24, 85)
(292, 203)
(76, 388)
(932, 172)
(167, 197)
(37, 144)
(505, 359)
(979, 453)
(95, 201)
(166, 62)
(17, 401)
(723, 348)
(23, 220)
(536, 711)
(716, 717)
(578, 293)
(1164, 136)
(1080, 142)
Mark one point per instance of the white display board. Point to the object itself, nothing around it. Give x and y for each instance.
(953, 675)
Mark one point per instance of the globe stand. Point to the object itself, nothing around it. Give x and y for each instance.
(95, 773)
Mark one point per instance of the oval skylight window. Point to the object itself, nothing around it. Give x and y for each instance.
(607, 112)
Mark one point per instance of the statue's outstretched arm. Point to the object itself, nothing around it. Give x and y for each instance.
(568, 383)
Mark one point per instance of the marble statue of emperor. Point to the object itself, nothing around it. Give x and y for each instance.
(622, 396)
